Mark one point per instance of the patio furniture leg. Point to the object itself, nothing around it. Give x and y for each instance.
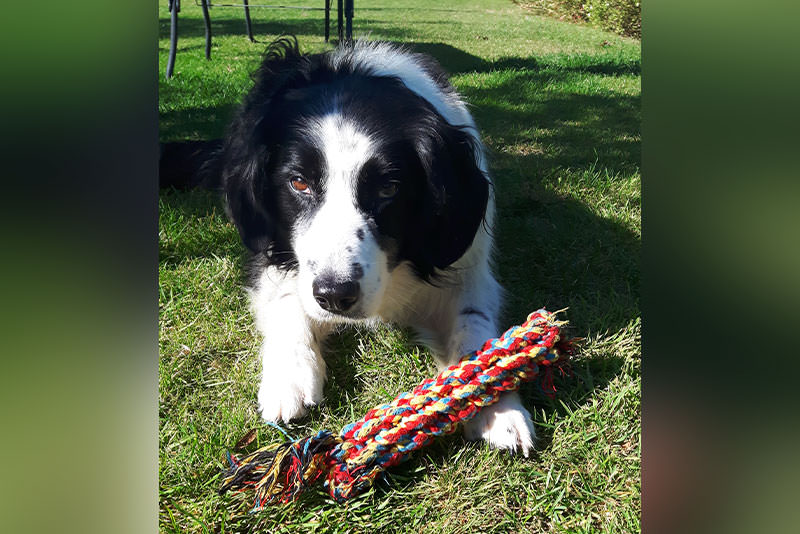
(207, 20)
(174, 7)
(340, 15)
(327, 20)
(348, 13)
(247, 20)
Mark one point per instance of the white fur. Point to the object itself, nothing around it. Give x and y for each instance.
(505, 425)
(293, 371)
(294, 325)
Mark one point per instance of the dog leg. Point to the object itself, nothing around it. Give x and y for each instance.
(506, 424)
(293, 371)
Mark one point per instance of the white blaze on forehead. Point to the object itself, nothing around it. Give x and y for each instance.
(329, 239)
(345, 150)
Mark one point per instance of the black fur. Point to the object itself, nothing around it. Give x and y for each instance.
(189, 164)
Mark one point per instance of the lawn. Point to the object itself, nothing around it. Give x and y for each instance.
(559, 107)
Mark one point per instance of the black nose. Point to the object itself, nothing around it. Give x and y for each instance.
(335, 296)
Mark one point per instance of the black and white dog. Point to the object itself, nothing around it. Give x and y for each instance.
(358, 180)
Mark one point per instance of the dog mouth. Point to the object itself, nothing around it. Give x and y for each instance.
(349, 316)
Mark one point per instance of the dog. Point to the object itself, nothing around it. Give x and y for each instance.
(358, 181)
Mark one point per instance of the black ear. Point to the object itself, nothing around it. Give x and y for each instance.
(245, 203)
(460, 191)
(244, 158)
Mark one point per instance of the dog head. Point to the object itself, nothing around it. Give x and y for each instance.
(343, 168)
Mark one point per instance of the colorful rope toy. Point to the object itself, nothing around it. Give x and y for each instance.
(388, 434)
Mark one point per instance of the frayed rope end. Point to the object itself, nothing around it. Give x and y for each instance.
(280, 473)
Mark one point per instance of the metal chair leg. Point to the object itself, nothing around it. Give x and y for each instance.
(340, 16)
(207, 20)
(174, 8)
(348, 13)
(327, 20)
(247, 20)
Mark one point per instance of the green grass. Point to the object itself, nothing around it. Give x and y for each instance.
(559, 106)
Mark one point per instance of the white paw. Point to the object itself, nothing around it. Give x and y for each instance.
(291, 381)
(505, 425)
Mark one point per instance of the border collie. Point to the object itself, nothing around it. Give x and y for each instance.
(357, 179)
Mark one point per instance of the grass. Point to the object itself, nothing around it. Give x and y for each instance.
(559, 106)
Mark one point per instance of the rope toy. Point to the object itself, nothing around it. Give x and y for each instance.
(388, 434)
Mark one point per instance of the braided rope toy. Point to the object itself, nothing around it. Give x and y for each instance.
(388, 434)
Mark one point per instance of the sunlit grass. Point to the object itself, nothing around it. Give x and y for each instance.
(559, 106)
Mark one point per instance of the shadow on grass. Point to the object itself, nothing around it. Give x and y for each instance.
(314, 25)
(197, 123)
(456, 61)
(193, 207)
(556, 253)
(342, 382)
(575, 130)
(195, 27)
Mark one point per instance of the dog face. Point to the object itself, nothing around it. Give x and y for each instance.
(342, 188)
(342, 175)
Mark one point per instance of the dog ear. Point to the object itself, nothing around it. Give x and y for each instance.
(244, 202)
(244, 158)
(460, 191)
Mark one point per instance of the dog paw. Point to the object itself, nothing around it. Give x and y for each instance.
(505, 425)
(280, 402)
(289, 386)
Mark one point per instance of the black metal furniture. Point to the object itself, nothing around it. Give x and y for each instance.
(344, 22)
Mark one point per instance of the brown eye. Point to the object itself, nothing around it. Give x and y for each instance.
(300, 185)
(389, 189)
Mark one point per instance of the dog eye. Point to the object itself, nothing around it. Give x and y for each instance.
(300, 185)
(389, 189)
